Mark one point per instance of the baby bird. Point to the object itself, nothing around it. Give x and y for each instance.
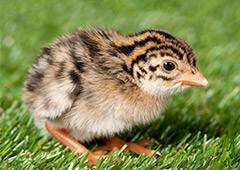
(95, 83)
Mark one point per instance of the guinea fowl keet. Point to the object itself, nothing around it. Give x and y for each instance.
(95, 83)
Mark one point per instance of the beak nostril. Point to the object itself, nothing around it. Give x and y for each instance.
(193, 71)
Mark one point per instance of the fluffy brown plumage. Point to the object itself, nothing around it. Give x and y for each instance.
(95, 83)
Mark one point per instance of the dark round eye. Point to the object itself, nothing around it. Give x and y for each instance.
(169, 66)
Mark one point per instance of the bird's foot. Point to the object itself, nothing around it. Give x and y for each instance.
(110, 144)
(115, 143)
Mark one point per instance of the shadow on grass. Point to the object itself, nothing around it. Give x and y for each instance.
(173, 128)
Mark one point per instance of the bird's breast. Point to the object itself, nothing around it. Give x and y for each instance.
(103, 119)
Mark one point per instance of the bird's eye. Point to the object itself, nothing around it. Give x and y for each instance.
(169, 66)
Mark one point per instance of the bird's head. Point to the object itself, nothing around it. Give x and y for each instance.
(163, 64)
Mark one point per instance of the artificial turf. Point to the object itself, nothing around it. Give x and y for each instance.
(200, 128)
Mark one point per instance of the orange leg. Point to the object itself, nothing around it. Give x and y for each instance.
(110, 144)
(62, 136)
(145, 142)
(116, 143)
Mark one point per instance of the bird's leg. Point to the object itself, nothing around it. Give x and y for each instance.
(62, 136)
(110, 144)
(116, 143)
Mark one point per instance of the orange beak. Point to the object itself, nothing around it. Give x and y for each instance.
(194, 79)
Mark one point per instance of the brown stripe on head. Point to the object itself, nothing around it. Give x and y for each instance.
(140, 44)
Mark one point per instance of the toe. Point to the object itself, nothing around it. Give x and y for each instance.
(145, 142)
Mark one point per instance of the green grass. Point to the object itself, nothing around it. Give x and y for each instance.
(201, 127)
